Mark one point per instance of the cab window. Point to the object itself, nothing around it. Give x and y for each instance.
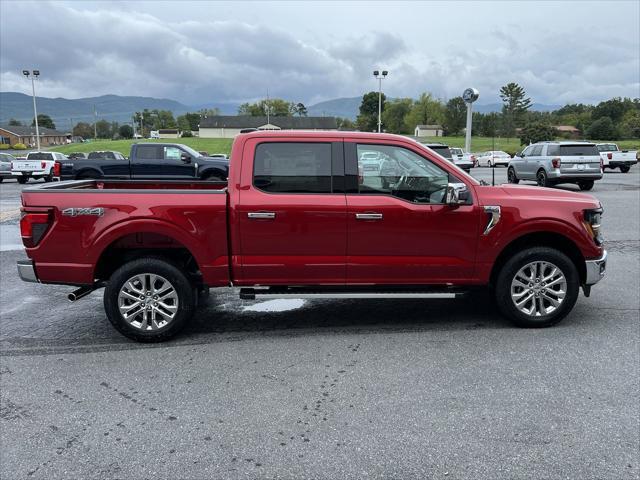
(399, 172)
(172, 153)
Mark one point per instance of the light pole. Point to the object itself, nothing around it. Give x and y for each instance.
(469, 96)
(34, 74)
(376, 74)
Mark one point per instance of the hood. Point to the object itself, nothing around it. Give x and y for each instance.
(537, 194)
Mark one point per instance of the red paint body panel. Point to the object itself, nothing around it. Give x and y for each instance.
(314, 238)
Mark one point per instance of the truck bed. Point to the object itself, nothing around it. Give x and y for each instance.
(93, 220)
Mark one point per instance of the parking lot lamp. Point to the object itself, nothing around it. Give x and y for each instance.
(34, 74)
(469, 96)
(377, 75)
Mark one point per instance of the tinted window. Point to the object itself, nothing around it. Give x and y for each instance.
(5, 157)
(553, 149)
(293, 167)
(607, 147)
(109, 155)
(536, 150)
(39, 156)
(401, 173)
(149, 152)
(442, 150)
(578, 150)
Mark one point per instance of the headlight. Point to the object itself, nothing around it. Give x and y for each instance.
(593, 224)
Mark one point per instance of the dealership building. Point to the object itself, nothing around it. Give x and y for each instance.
(13, 134)
(228, 126)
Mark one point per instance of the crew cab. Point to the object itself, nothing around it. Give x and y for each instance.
(612, 157)
(147, 161)
(37, 165)
(298, 219)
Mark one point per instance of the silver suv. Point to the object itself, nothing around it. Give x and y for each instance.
(550, 163)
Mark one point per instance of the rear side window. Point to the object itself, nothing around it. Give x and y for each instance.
(293, 167)
(553, 149)
(578, 150)
(149, 152)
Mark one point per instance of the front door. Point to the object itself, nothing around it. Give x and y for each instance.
(162, 161)
(291, 213)
(399, 229)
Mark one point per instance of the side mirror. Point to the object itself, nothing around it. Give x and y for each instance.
(185, 158)
(520, 154)
(457, 194)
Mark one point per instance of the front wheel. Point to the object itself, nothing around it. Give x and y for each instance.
(586, 185)
(625, 168)
(537, 287)
(511, 176)
(149, 300)
(490, 163)
(23, 179)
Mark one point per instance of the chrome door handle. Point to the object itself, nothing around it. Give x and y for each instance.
(368, 216)
(261, 215)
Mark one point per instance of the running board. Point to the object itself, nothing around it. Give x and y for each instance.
(252, 294)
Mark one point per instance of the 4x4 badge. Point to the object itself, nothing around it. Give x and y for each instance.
(75, 212)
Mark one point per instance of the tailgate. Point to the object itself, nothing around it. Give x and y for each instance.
(28, 165)
(580, 164)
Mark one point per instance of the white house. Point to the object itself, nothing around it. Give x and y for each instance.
(429, 131)
(228, 126)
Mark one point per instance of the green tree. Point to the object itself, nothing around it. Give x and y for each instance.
(367, 121)
(300, 110)
(536, 132)
(44, 121)
(489, 124)
(15, 123)
(277, 107)
(630, 125)
(125, 131)
(455, 116)
(207, 112)
(394, 115)
(602, 129)
(345, 124)
(83, 129)
(515, 104)
(426, 110)
(103, 129)
(163, 119)
(614, 109)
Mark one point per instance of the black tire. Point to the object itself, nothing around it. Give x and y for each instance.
(541, 178)
(48, 178)
(186, 299)
(22, 179)
(519, 260)
(511, 176)
(213, 178)
(586, 185)
(490, 163)
(1, 179)
(625, 168)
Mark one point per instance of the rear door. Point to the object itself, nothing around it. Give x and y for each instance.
(399, 231)
(291, 212)
(162, 161)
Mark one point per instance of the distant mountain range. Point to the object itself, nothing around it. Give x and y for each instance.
(114, 108)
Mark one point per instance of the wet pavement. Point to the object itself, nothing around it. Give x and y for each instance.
(326, 389)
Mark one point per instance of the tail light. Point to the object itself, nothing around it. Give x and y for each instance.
(33, 226)
(556, 162)
(610, 155)
(56, 169)
(43, 165)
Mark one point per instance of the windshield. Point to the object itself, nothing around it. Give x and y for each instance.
(191, 151)
(578, 150)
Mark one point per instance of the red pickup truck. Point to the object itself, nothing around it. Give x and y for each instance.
(299, 217)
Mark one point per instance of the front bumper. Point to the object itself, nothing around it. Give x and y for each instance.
(596, 269)
(27, 271)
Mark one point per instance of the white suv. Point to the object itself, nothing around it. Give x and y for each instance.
(550, 163)
(36, 165)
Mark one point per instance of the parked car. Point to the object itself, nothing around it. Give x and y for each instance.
(76, 156)
(613, 157)
(37, 165)
(493, 158)
(5, 165)
(369, 163)
(464, 160)
(551, 163)
(148, 161)
(296, 220)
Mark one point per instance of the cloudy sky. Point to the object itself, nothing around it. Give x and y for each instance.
(202, 52)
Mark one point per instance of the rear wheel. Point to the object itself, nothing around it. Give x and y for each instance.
(625, 168)
(1, 179)
(511, 176)
(586, 185)
(537, 287)
(48, 178)
(541, 178)
(23, 179)
(490, 163)
(149, 300)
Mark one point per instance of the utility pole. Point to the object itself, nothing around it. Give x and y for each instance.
(34, 74)
(377, 75)
(95, 126)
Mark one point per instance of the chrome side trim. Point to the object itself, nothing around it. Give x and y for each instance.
(336, 295)
(494, 211)
(27, 271)
(596, 269)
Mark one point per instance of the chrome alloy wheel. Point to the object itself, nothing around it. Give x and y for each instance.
(538, 288)
(148, 301)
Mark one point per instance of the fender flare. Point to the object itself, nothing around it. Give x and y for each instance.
(92, 170)
(213, 172)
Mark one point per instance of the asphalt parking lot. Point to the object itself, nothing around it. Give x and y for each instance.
(326, 389)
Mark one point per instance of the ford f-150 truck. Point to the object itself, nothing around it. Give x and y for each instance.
(148, 161)
(298, 219)
(612, 157)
